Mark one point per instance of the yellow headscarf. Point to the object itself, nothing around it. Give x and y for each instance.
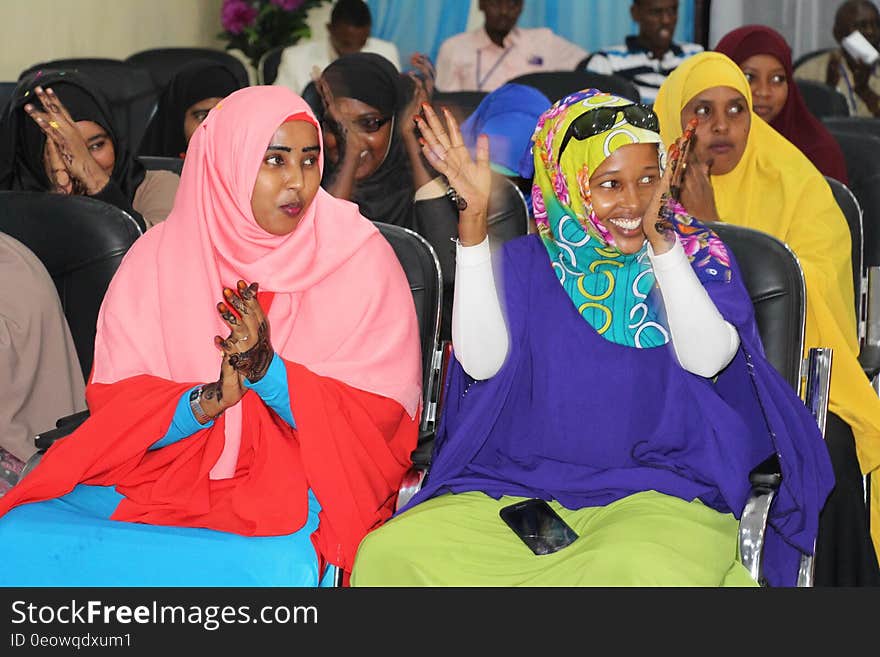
(777, 190)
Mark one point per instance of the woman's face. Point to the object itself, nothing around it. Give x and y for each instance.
(195, 114)
(288, 178)
(621, 188)
(374, 127)
(769, 84)
(723, 127)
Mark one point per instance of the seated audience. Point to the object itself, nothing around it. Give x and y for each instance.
(856, 80)
(373, 153)
(184, 103)
(348, 32)
(649, 56)
(744, 172)
(616, 373)
(41, 373)
(258, 457)
(764, 56)
(487, 57)
(58, 135)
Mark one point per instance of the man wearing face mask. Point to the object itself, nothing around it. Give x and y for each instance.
(485, 58)
(849, 74)
(347, 32)
(649, 56)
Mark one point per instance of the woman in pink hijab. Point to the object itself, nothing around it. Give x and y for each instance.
(256, 375)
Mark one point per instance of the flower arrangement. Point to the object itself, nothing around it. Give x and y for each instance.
(255, 26)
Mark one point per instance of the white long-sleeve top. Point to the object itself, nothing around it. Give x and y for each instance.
(703, 341)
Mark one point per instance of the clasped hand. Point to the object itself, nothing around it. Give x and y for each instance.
(247, 350)
(69, 164)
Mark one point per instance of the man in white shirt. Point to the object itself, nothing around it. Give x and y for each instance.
(348, 32)
(485, 58)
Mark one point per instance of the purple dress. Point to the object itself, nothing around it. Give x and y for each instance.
(574, 417)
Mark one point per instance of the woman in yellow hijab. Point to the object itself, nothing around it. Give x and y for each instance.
(744, 172)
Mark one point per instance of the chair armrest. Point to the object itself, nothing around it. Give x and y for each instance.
(869, 354)
(765, 479)
(66, 425)
(818, 383)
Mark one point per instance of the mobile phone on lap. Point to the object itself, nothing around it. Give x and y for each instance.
(538, 526)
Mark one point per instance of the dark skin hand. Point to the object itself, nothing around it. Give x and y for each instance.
(72, 167)
(247, 351)
(696, 194)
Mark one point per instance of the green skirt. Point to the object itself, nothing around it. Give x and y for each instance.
(645, 539)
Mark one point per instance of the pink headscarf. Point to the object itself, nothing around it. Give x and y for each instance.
(341, 306)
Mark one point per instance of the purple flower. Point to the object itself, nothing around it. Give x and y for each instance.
(719, 251)
(560, 187)
(538, 206)
(691, 244)
(288, 5)
(237, 15)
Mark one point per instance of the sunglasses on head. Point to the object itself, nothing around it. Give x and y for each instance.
(602, 119)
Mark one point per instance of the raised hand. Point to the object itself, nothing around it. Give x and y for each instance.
(351, 144)
(471, 180)
(249, 345)
(55, 121)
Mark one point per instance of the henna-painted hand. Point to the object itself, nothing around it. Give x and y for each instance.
(83, 172)
(249, 344)
(444, 149)
(228, 390)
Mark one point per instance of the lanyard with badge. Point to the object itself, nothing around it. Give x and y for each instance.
(481, 82)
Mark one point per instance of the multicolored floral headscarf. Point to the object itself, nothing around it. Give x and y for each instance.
(613, 291)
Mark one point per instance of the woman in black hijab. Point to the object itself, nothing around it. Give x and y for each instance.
(185, 102)
(58, 135)
(373, 153)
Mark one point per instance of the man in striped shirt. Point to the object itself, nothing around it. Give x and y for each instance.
(648, 57)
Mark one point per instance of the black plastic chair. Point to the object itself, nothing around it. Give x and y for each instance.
(81, 242)
(128, 88)
(461, 103)
(858, 124)
(852, 211)
(158, 163)
(860, 151)
(821, 99)
(6, 91)
(558, 84)
(807, 56)
(162, 63)
(268, 66)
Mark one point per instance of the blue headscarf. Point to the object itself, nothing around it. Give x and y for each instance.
(508, 116)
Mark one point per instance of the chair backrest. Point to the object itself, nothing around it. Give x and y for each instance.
(163, 63)
(821, 99)
(807, 56)
(461, 103)
(558, 84)
(158, 163)
(775, 282)
(6, 91)
(81, 242)
(851, 209)
(860, 150)
(129, 89)
(268, 66)
(857, 124)
(422, 269)
(508, 212)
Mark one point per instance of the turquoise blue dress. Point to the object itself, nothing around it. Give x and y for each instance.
(71, 541)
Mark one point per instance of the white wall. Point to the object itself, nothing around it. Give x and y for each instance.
(41, 30)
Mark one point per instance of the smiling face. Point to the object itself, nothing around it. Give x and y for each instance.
(723, 123)
(621, 188)
(288, 178)
(656, 19)
(195, 114)
(769, 84)
(99, 143)
(373, 126)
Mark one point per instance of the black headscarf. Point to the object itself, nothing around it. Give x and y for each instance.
(387, 195)
(22, 142)
(193, 82)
